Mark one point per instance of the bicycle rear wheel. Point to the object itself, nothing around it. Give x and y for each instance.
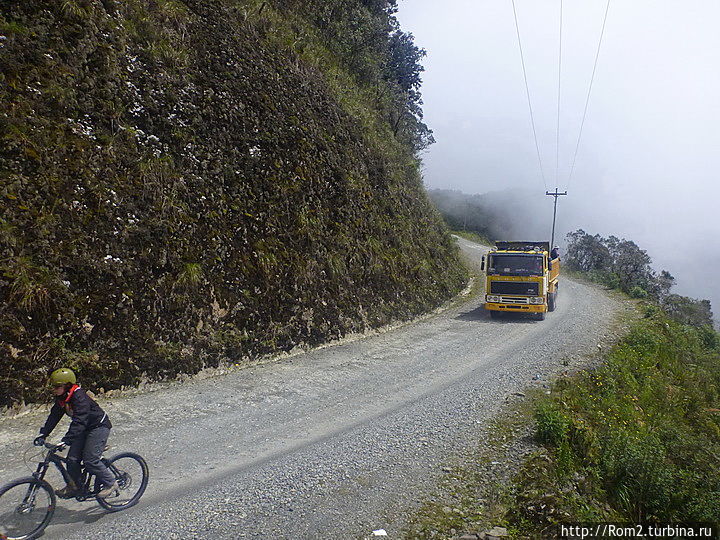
(131, 473)
(26, 507)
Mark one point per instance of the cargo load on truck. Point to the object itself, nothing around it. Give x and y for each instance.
(521, 277)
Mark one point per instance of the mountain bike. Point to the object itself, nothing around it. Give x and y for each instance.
(27, 504)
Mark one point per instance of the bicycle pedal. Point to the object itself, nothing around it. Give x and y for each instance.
(115, 493)
(65, 494)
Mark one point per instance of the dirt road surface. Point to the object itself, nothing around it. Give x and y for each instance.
(332, 443)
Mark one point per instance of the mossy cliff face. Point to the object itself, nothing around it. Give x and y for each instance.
(177, 188)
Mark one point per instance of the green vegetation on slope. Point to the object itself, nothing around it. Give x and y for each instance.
(636, 439)
(184, 182)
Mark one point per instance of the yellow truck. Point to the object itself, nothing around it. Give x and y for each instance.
(521, 277)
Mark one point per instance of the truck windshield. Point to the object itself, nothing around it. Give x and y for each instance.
(516, 265)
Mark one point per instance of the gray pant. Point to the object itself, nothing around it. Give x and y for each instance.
(89, 449)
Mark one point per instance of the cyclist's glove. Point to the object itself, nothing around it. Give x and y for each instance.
(39, 441)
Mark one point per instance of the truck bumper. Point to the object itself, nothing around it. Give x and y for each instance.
(521, 308)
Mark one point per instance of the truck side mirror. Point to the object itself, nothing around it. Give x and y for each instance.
(482, 263)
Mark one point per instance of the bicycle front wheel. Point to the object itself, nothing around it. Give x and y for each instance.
(131, 474)
(26, 507)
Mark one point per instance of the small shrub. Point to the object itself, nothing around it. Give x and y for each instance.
(190, 275)
(553, 425)
(169, 54)
(638, 292)
(32, 286)
(709, 337)
(8, 233)
(74, 8)
(610, 279)
(13, 27)
(651, 310)
(637, 474)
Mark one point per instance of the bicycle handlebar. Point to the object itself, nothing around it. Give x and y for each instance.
(54, 447)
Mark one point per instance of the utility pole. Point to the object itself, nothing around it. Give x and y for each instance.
(555, 194)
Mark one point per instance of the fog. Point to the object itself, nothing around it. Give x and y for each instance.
(649, 156)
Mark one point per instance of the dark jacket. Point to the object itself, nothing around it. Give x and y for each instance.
(85, 413)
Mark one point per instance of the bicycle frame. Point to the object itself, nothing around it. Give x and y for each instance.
(60, 463)
(44, 465)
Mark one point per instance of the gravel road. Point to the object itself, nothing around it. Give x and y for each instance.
(332, 443)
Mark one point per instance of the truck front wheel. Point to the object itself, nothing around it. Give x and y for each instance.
(551, 301)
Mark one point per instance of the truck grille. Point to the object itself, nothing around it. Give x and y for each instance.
(513, 300)
(514, 287)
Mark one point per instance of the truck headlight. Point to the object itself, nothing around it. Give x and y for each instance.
(537, 300)
(492, 299)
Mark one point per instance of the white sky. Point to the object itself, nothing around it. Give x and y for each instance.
(648, 163)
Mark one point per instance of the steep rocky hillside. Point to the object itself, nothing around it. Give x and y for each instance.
(187, 182)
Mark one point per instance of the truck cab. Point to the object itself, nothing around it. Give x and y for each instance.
(521, 277)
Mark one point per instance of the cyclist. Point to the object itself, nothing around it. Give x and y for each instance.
(87, 435)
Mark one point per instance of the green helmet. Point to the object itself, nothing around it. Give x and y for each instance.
(62, 376)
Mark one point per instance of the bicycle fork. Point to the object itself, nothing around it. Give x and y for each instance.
(28, 503)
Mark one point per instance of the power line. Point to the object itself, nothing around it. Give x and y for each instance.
(557, 139)
(527, 91)
(587, 100)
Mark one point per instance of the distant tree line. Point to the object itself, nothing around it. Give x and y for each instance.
(472, 213)
(622, 264)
